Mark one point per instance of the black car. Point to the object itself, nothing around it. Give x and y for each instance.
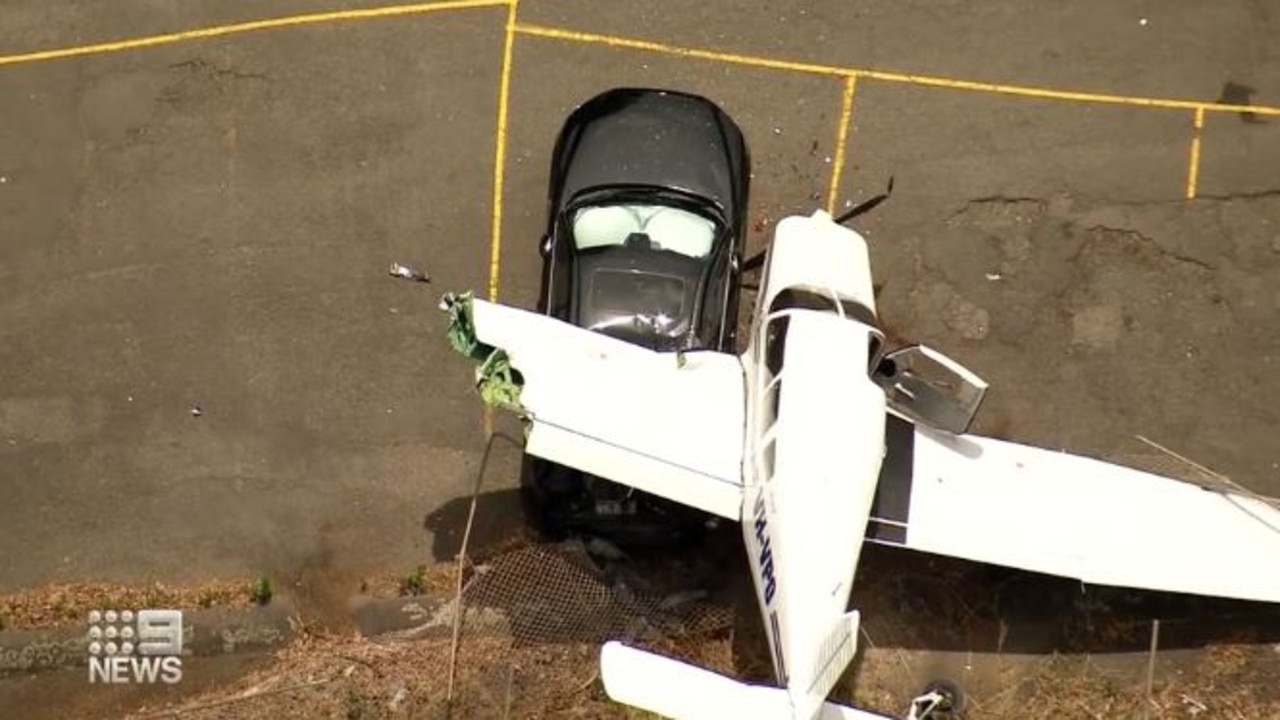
(644, 241)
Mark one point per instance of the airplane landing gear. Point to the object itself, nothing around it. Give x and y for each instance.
(940, 700)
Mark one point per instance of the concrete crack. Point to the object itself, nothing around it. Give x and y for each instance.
(200, 65)
(1147, 239)
(1253, 195)
(994, 200)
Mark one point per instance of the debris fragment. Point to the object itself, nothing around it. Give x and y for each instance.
(605, 549)
(497, 381)
(1194, 707)
(675, 600)
(408, 273)
(196, 411)
(994, 276)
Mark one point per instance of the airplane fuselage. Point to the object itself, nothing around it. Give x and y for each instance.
(814, 443)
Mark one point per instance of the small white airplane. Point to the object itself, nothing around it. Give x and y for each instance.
(818, 437)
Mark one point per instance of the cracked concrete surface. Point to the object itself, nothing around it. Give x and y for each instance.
(1108, 320)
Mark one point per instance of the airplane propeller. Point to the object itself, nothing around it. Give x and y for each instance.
(755, 261)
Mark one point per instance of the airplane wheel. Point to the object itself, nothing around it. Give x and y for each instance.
(953, 700)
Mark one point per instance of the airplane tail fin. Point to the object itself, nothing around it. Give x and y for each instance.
(680, 691)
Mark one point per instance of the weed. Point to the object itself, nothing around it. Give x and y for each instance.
(262, 590)
(415, 582)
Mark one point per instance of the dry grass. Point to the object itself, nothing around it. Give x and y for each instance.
(66, 604)
(327, 675)
(330, 676)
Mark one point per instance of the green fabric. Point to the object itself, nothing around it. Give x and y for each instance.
(462, 326)
(497, 381)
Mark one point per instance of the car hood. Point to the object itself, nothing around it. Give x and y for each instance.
(652, 138)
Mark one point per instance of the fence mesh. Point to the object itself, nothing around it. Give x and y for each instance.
(535, 611)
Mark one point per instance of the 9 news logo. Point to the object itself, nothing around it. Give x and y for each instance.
(127, 647)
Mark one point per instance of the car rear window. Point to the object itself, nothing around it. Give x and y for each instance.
(631, 293)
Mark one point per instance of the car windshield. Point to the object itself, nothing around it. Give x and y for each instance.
(657, 227)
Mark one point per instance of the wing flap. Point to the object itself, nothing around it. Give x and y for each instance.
(1020, 506)
(668, 424)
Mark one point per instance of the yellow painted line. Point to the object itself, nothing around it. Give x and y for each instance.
(1049, 94)
(500, 153)
(925, 80)
(1193, 163)
(251, 26)
(842, 140)
(663, 48)
(499, 173)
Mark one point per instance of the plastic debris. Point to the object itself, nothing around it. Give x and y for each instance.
(196, 411)
(1194, 707)
(408, 273)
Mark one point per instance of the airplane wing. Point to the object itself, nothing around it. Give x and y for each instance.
(666, 424)
(1019, 506)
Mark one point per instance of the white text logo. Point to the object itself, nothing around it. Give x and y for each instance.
(127, 647)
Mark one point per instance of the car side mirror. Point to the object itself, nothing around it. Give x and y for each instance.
(544, 247)
(930, 388)
(735, 264)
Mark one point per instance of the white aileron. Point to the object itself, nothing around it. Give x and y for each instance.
(1010, 504)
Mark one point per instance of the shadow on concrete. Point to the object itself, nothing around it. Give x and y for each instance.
(493, 515)
(496, 513)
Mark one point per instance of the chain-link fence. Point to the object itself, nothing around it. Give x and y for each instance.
(534, 619)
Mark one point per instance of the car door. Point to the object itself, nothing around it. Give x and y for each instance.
(557, 259)
(719, 309)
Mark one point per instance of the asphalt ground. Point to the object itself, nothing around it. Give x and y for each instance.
(206, 220)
